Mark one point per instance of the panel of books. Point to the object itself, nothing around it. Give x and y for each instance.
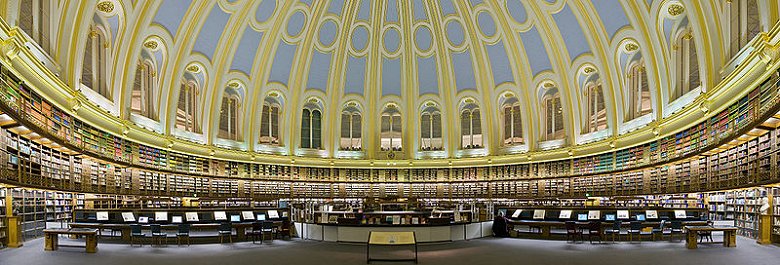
(43, 146)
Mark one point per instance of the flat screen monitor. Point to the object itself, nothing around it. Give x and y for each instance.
(517, 212)
(220, 216)
(102, 216)
(640, 217)
(191, 216)
(651, 214)
(261, 217)
(538, 214)
(680, 214)
(594, 215)
(622, 214)
(248, 215)
(128, 217)
(565, 214)
(161, 216)
(235, 218)
(609, 217)
(582, 217)
(176, 220)
(273, 214)
(143, 220)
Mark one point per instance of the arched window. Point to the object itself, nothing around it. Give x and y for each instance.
(311, 128)
(686, 65)
(553, 114)
(430, 129)
(597, 112)
(470, 127)
(513, 125)
(744, 23)
(94, 70)
(142, 100)
(34, 18)
(390, 133)
(229, 117)
(639, 103)
(351, 133)
(269, 122)
(187, 110)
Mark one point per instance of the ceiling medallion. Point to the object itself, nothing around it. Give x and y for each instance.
(675, 9)
(313, 100)
(469, 101)
(273, 94)
(233, 84)
(548, 85)
(193, 68)
(151, 44)
(630, 47)
(430, 104)
(105, 6)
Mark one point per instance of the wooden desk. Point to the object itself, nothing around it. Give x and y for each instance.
(391, 239)
(125, 228)
(729, 235)
(52, 238)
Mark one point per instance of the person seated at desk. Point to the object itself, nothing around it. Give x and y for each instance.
(500, 226)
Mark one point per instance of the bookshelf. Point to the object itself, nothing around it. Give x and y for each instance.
(775, 212)
(3, 220)
(742, 206)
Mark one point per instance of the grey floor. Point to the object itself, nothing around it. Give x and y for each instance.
(481, 251)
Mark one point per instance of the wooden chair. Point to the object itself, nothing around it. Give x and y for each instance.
(284, 230)
(135, 232)
(225, 230)
(676, 229)
(157, 234)
(572, 232)
(268, 229)
(183, 233)
(257, 231)
(594, 230)
(635, 228)
(615, 230)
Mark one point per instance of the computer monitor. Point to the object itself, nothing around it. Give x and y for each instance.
(220, 216)
(248, 215)
(176, 220)
(651, 214)
(273, 214)
(128, 217)
(609, 217)
(161, 216)
(143, 220)
(261, 217)
(622, 214)
(582, 217)
(235, 218)
(565, 214)
(680, 214)
(102, 216)
(640, 217)
(594, 215)
(191, 216)
(539, 214)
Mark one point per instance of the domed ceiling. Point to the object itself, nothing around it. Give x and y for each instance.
(403, 79)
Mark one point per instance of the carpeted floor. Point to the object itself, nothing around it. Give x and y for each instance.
(481, 251)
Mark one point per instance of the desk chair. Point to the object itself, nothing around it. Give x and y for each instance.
(706, 234)
(661, 230)
(135, 232)
(676, 229)
(284, 230)
(594, 230)
(635, 228)
(184, 232)
(268, 229)
(615, 230)
(257, 231)
(225, 230)
(572, 232)
(157, 234)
